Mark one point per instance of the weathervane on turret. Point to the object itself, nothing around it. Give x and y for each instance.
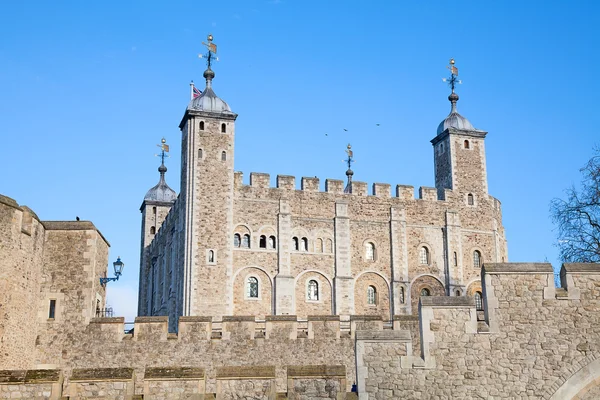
(211, 55)
(349, 172)
(164, 148)
(453, 80)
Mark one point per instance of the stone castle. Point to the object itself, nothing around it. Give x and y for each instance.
(255, 292)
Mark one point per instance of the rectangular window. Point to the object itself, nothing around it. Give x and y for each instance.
(52, 310)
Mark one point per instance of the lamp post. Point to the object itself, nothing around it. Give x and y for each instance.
(118, 266)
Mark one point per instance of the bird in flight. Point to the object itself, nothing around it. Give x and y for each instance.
(377, 124)
(345, 130)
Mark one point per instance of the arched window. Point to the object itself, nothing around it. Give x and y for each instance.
(199, 154)
(319, 245)
(236, 240)
(457, 293)
(211, 256)
(371, 295)
(313, 290)
(152, 230)
(272, 242)
(442, 147)
(466, 144)
(329, 246)
(304, 244)
(201, 125)
(223, 128)
(295, 243)
(262, 242)
(370, 251)
(154, 211)
(478, 301)
(476, 259)
(252, 288)
(223, 156)
(470, 200)
(425, 292)
(424, 255)
(246, 241)
(455, 259)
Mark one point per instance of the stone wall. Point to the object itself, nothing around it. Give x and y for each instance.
(21, 252)
(75, 258)
(537, 341)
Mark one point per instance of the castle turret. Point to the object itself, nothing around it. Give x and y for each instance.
(208, 128)
(155, 207)
(459, 152)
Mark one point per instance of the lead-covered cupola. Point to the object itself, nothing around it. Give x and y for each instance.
(161, 192)
(454, 119)
(207, 100)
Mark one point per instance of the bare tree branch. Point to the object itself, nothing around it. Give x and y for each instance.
(578, 217)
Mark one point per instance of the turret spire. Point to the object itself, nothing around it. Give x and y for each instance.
(211, 55)
(207, 100)
(454, 119)
(349, 172)
(452, 82)
(162, 191)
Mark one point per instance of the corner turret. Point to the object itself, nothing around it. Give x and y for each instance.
(459, 151)
(155, 207)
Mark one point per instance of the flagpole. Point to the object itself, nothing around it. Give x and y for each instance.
(191, 90)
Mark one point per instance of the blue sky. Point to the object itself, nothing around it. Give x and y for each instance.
(89, 88)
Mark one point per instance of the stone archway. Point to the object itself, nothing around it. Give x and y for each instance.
(432, 284)
(582, 385)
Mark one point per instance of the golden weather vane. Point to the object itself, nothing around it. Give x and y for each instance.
(453, 80)
(212, 50)
(164, 148)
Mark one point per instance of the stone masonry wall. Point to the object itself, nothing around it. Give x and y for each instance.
(538, 342)
(21, 252)
(75, 257)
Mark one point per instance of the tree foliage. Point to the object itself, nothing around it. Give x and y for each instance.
(578, 217)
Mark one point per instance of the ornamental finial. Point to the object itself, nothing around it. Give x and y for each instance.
(452, 82)
(211, 54)
(164, 148)
(349, 172)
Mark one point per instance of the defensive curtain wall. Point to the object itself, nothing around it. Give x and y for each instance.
(336, 226)
(49, 284)
(533, 341)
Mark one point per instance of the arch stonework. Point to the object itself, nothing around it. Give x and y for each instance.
(306, 307)
(261, 306)
(582, 385)
(424, 281)
(382, 306)
(473, 287)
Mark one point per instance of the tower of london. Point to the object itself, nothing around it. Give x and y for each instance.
(250, 291)
(225, 248)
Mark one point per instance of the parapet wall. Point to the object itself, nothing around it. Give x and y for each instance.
(259, 180)
(535, 341)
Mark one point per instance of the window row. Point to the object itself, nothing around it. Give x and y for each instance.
(321, 245)
(223, 127)
(223, 155)
(264, 242)
(312, 291)
(424, 257)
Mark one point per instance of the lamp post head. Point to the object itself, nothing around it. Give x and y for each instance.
(118, 266)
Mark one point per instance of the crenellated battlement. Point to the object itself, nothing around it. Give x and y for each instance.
(273, 327)
(259, 180)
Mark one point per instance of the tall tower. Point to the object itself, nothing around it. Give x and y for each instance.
(459, 151)
(155, 207)
(207, 128)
